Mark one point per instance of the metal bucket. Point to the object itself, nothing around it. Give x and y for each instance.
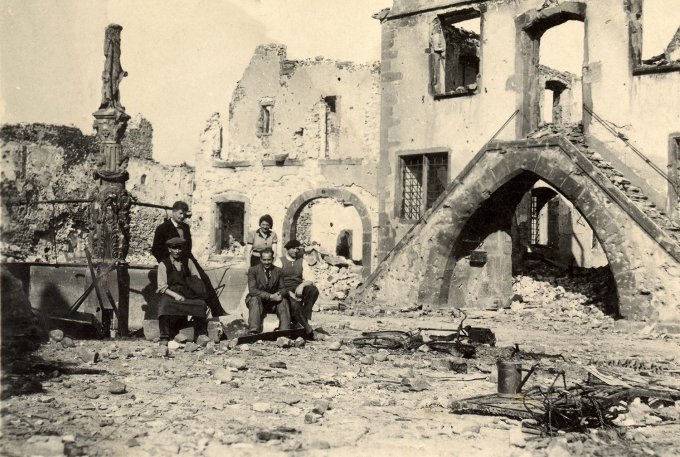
(509, 377)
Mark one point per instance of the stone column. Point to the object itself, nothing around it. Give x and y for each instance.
(110, 234)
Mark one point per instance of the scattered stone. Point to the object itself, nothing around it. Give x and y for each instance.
(321, 406)
(173, 345)
(335, 346)
(132, 442)
(117, 387)
(262, 407)
(203, 340)
(244, 347)
(56, 335)
(68, 438)
(181, 338)
(191, 347)
(222, 375)
(44, 445)
(299, 342)
(88, 356)
(68, 342)
(105, 422)
(367, 360)
(424, 348)
(91, 394)
(151, 329)
(311, 418)
(239, 364)
(278, 365)
(381, 357)
(224, 345)
(283, 342)
(233, 343)
(210, 348)
(215, 331)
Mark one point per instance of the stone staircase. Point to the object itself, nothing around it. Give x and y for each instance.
(574, 134)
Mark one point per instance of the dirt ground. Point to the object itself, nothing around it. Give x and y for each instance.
(324, 402)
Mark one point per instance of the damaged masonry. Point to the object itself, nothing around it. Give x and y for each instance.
(483, 242)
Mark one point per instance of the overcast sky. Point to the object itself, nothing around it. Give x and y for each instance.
(185, 56)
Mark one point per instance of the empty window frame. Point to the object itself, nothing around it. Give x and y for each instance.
(423, 179)
(265, 125)
(454, 53)
(231, 220)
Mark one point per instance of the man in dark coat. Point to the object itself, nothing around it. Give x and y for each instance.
(175, 227)
(266, 294)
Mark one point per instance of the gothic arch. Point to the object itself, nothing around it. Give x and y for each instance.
(343, 196)
(515, 166)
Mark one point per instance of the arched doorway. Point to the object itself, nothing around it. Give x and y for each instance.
(362, 240)
(531, 26)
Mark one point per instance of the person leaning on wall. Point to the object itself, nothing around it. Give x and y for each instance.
(260, 239)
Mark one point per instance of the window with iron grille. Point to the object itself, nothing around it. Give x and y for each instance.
(423, 179)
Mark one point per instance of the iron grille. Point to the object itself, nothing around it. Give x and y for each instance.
(412, 182)
(437, 177)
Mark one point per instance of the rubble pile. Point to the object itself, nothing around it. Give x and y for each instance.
(334, 276)
(548, 292)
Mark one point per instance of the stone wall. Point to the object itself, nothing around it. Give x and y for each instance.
(414, 120)
(54, 163)
(295, 128)
(437, 257)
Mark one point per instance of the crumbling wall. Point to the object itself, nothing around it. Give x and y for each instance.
(324, 135)
(42, 162)
(413, 120)
(299, 93)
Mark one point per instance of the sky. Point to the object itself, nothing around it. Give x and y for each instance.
(184, 57)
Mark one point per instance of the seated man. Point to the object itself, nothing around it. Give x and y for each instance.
(266, 294)
(182, 291)
(296, 279)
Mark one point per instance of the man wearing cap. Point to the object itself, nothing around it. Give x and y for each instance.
(175, 227)
(182, 290)
(296, 278)
(266, 294)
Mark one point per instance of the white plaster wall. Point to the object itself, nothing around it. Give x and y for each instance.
(329, 218)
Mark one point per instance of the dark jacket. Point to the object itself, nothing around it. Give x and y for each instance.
(163, 233)
(258, 286)
(182, 281)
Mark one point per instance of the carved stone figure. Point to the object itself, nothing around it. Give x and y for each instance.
(113, 71)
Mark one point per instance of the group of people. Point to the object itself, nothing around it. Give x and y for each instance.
(275, 285)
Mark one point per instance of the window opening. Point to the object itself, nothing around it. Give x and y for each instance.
(231, 226)
(424, 178)
(455, 51)
(332, 125)
(266, 125)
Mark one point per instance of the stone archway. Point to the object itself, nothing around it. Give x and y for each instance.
(341, 195)
(530, 27)
(644, 260)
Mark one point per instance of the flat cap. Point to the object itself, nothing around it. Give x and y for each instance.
(292, 244)
(176, 241)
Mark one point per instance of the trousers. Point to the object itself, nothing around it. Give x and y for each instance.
(258, 308)
(301, 310)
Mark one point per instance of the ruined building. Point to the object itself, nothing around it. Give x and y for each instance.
(471, 153)
(302, 145)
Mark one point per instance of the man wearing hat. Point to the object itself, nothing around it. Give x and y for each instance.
(175, 227)
(296, 275)
(182, 291)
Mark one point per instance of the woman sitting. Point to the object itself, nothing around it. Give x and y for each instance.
(183, 292)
